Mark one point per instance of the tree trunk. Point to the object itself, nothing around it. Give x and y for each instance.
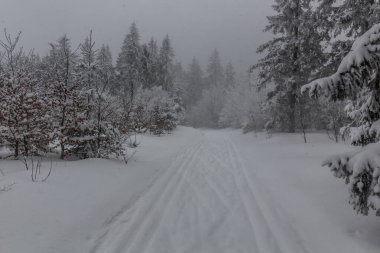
(62, 151)
(26, 149)
(292, 112)
(16, 149)
(294, 87)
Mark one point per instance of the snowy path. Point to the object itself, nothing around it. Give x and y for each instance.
(194, 191)
(204, 202)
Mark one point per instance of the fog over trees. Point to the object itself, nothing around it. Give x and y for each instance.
(209, 135)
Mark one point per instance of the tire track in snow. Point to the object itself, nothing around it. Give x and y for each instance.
(203, 203)
(172, 194)
(283, 237)
(132, 224)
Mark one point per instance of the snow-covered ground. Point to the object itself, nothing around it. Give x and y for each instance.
(208, 191)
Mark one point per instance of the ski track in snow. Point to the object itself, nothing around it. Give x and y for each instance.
(206, 201)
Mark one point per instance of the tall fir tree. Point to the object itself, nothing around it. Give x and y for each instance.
(165, 60)
(128, 67)
(291, 57)
(215, 71)
(23, 121)
(87, 69)
(152, 64)
(357, 79)
(194, 84)
(68, 102)
(229, 75)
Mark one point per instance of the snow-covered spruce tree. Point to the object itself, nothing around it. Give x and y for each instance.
(343, 21)
(228, 117)
(148, 67)
(157, 125)
(215, 71)
(207, 110)
(101, 138)
(87, 68)
(67, 101)
(358, 79)
(86, 77)
(179, 82)
(290, 58)
(109, 140)
(129, 70)
(348, 18)
(241, 108)
(229, 75)
(165, 60)
(141, 116)
(151, 64)
(156, 111)
(23, 125)
(194, 84)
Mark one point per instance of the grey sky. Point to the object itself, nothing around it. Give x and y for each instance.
(196, 27)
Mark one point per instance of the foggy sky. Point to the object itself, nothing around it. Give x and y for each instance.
(196, 27)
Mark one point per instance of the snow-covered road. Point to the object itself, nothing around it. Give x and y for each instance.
(194, 191)
(205, 202)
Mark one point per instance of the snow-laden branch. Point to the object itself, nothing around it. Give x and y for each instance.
(361, 171)
(357, 70)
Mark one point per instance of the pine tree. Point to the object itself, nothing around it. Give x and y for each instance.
(207, 109)
(215, 72)
(165, 60)
(291, 56)
(240, 105)
(68, 103)
(229, 75)
(129, 67)
(152, 64)
(147, 67)
(194, 84)
(108, 139)
(22, 106)
(87, 67)
(357, 79)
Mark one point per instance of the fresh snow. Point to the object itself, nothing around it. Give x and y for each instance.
(208, 191)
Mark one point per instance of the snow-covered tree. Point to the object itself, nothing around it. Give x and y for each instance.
(23, 124)
(215, 71)
(156, 110)
(153, 66)
(103, 138)
(87, 68)
(291, 57)
(229, 75)
(241, 106)
(357, 79)
(165, 59)
(129, 68)
(351, 19)
(206, 112)
(67, 100)
(194, 84)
